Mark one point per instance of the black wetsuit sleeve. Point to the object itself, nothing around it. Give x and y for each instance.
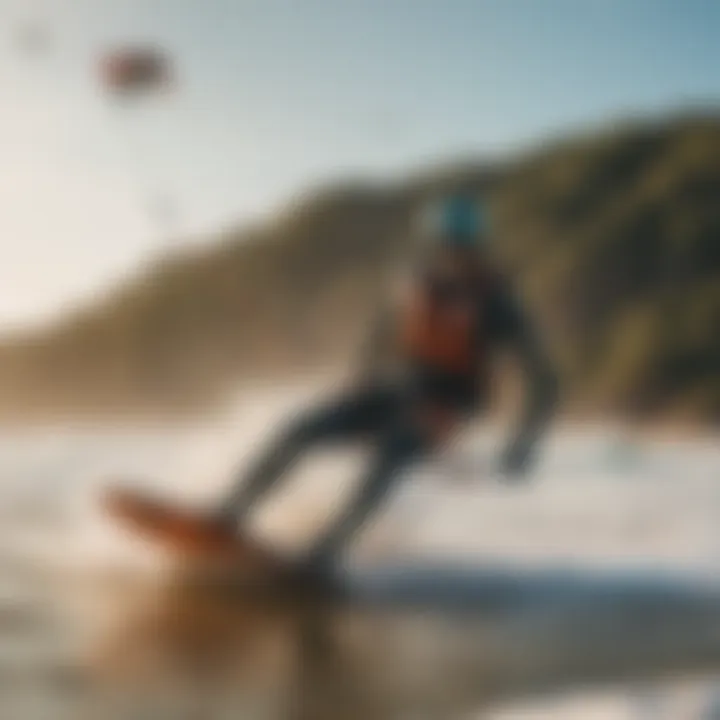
(510, 327)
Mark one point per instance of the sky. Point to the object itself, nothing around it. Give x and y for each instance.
(274, 97)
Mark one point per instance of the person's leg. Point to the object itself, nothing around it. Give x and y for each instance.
(348, 416)
(403, 443)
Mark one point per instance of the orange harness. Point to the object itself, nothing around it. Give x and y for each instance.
(443, 335)
(442, 332)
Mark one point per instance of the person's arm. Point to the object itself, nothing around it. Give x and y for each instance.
(516, 331)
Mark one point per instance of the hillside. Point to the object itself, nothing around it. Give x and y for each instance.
(613, 238)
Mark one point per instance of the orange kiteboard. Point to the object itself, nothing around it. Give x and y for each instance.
(190, 534)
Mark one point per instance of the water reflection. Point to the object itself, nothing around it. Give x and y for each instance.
(393, 650)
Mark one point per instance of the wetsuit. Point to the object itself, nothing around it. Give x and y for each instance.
(443, 330)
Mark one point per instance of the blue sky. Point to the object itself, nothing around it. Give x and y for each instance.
(275, 96)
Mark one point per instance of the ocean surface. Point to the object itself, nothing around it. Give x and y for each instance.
(93, 625)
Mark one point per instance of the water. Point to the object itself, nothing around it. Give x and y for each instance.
(91, 627)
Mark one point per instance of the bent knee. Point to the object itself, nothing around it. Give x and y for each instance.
(308, 426)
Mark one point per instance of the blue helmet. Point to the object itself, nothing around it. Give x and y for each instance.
(456, 221)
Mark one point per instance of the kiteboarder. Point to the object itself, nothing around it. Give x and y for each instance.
(442, 328)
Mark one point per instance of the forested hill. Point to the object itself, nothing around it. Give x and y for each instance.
(614, 239)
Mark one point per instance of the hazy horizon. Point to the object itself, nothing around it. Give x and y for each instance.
(271, 101)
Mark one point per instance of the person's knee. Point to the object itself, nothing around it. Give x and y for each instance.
(306, 427)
